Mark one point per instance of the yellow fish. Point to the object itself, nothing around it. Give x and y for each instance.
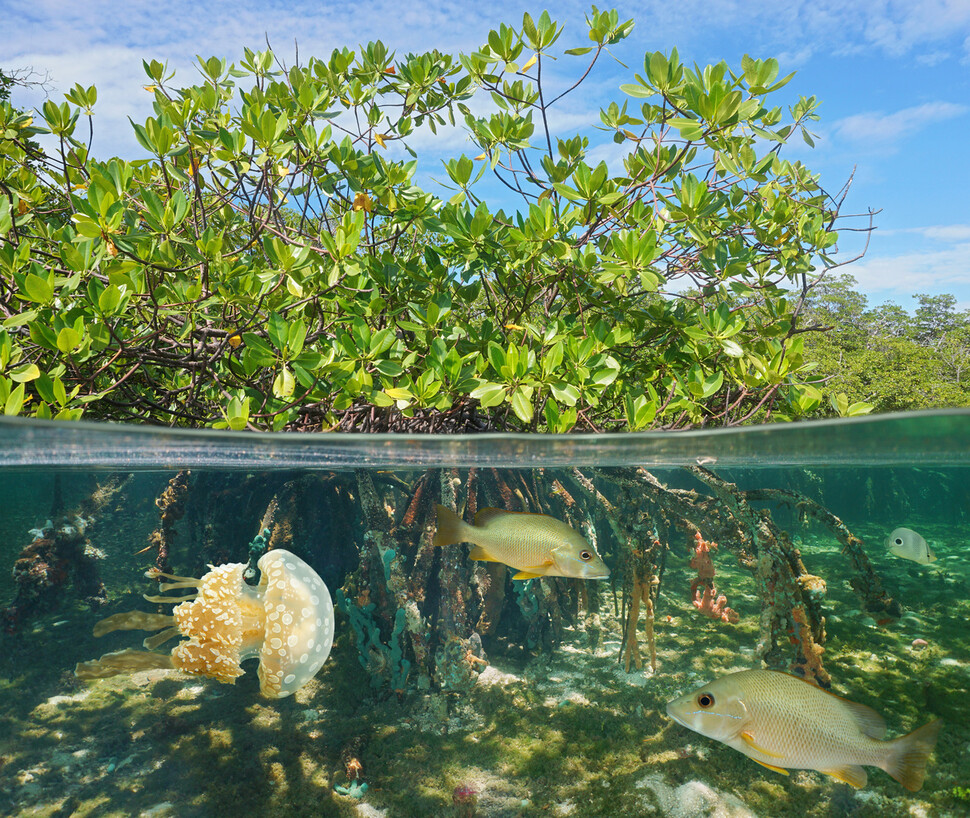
(782, 721)
(536, 545)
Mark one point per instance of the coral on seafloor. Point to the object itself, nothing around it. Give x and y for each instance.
(464, 798)
(702, 590)
(355, 789)
(383, 661)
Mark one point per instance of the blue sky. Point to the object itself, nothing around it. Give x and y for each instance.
(893, 77)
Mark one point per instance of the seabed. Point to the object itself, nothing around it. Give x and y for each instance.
(567, 733)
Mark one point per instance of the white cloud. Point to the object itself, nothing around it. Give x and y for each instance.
(103, 42)
(907, 273)
(932, 58)
(796, 58)
(948, 232)
(935, 232)
(932, 258)
(897, 27)
(882, 128)
(894, 27)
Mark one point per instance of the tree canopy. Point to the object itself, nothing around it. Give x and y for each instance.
(272, 263)
(886, 357)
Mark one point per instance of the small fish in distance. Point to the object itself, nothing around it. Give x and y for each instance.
(536, 545)
(782, 721)
(906, 543)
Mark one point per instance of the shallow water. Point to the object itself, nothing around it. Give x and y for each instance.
(498, 698)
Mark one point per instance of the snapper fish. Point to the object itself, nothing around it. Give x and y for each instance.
(906, 543)
(536, 545)
(782, 721)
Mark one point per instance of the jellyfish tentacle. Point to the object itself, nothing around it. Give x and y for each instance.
(172, 586)
(152, 642)
(133, 621)
(169, 600)
(122, 661)
(154, 573)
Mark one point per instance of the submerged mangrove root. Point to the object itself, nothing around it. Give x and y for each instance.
(790, 601)
(171, 504)
(381, 608)
(866, 582)
(279, 523)
(791, 625)
(641, 586)
(420, 613)
(641, 593)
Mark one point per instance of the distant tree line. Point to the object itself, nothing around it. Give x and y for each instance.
(886, 356)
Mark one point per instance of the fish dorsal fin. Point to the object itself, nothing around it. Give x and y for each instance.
(749, 740)
(850, 774)
(485, 515)
(781, 770)
(868, 720)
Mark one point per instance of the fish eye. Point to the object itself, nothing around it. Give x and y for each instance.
(585, 556)
(898, 541)
(705, 700)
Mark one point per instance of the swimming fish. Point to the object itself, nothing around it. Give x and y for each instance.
(536, 545)
(782, 721)
(906, 543)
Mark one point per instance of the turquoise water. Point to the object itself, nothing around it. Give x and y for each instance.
(451, 689)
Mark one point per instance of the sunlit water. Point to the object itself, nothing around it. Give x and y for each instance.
(542, 718)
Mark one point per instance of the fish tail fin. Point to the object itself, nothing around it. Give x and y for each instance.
(451, 528)
(908, 755)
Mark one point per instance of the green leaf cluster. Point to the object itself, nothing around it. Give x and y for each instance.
(271, 263)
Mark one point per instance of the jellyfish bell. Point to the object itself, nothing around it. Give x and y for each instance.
(287, 621)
